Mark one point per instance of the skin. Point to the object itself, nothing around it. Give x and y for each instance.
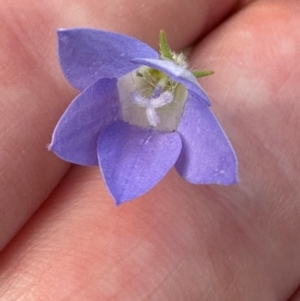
(179, 242)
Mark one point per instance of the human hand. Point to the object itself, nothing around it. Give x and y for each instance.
(179, 241)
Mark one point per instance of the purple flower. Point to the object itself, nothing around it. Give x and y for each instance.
(137, 115)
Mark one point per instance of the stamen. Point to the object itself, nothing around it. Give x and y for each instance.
(140, 100)
(152, 117)
(153, 103)
(164, 99)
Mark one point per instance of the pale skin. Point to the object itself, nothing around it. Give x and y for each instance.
(179, 242)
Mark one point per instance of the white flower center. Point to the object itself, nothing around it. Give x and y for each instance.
(149, 98)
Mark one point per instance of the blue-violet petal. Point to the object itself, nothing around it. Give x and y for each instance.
(207, 156)
(87, 55)
(133, 159)
(76, 134)
(178, 74)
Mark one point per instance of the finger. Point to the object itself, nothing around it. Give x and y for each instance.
(296, 295)
(255, 93)
(34, 93)
(185, 242)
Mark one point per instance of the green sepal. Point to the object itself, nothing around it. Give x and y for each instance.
(164, 48)
(201, 73)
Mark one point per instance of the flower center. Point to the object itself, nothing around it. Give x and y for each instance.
(149, 98)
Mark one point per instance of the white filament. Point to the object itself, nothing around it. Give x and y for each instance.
(150, 104)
